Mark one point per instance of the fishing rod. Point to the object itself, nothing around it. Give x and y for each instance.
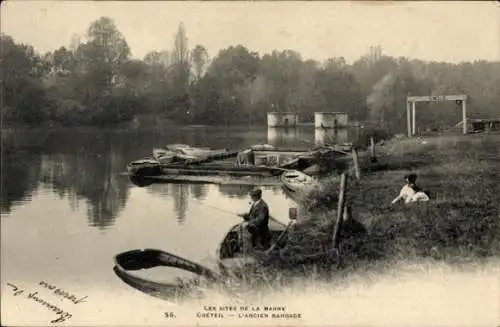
(276, 243)
(216, 208)
(233, 213)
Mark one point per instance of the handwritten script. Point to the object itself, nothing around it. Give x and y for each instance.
(36, 297)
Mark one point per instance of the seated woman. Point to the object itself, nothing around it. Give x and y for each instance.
(411, 192)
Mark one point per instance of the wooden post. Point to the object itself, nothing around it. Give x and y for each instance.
(413, 123)
(355, 160)
(373, 157)
(408, 118)
(340, 212)
(464, 117)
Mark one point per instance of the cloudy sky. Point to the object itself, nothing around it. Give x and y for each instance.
(441, 31)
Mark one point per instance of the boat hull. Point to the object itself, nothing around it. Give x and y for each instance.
(136, 260)
(231, 259)
(144, 167)
(154, 168)
(297, 182)
(259, 163)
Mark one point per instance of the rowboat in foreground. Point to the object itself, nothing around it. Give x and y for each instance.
(233, 262)
(128, 263)
(236, 260)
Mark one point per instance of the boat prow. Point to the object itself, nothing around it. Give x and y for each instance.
(137, 260)
(145, 167)
(296, 182)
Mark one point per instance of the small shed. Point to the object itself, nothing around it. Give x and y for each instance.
(330, 120)
(483, 125)
(282, 119)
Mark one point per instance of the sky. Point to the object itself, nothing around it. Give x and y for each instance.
(435, 31)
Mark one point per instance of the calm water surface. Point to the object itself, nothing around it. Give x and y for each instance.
(66, 211)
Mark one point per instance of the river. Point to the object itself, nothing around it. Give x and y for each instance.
(66, 211)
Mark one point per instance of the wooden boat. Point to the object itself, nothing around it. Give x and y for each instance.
(144, 167)
(152, 168)
(135, 260)
(126, 263)
(230, 255)
(206, 179)
(232, 262)
(298, 182)
(261, 161)
(167, 156)
(187, 150)
(183, 152)
(233, 259)
(294, 158)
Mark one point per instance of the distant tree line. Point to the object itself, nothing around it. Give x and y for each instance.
(95, 82)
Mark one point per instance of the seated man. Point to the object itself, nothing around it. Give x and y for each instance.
(257, 221)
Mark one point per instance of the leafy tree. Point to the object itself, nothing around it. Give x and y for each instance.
(23, 97)
(63, 60)
(230, 71)
(340, 91)
(199, 60)
(95, 82)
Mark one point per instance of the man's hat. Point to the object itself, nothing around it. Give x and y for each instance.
(256, 192)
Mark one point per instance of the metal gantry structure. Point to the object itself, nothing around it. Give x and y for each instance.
(460, 99)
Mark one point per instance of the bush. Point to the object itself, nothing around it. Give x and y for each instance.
(114, 109)
(378, 134)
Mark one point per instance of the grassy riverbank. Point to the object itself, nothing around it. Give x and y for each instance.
(461, 223)
(459, 226)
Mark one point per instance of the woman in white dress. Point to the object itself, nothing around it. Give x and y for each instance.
(411, 192)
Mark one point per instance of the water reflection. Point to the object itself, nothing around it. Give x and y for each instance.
(93, 178)
(236, 191)
(331, 135)
(183, 195)
(81, 167)
(281, 136)
(199, 191)
(84, 166)
(20, 175)
(289, 137)
(180, 193)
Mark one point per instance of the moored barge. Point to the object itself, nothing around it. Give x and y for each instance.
(262, 161)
